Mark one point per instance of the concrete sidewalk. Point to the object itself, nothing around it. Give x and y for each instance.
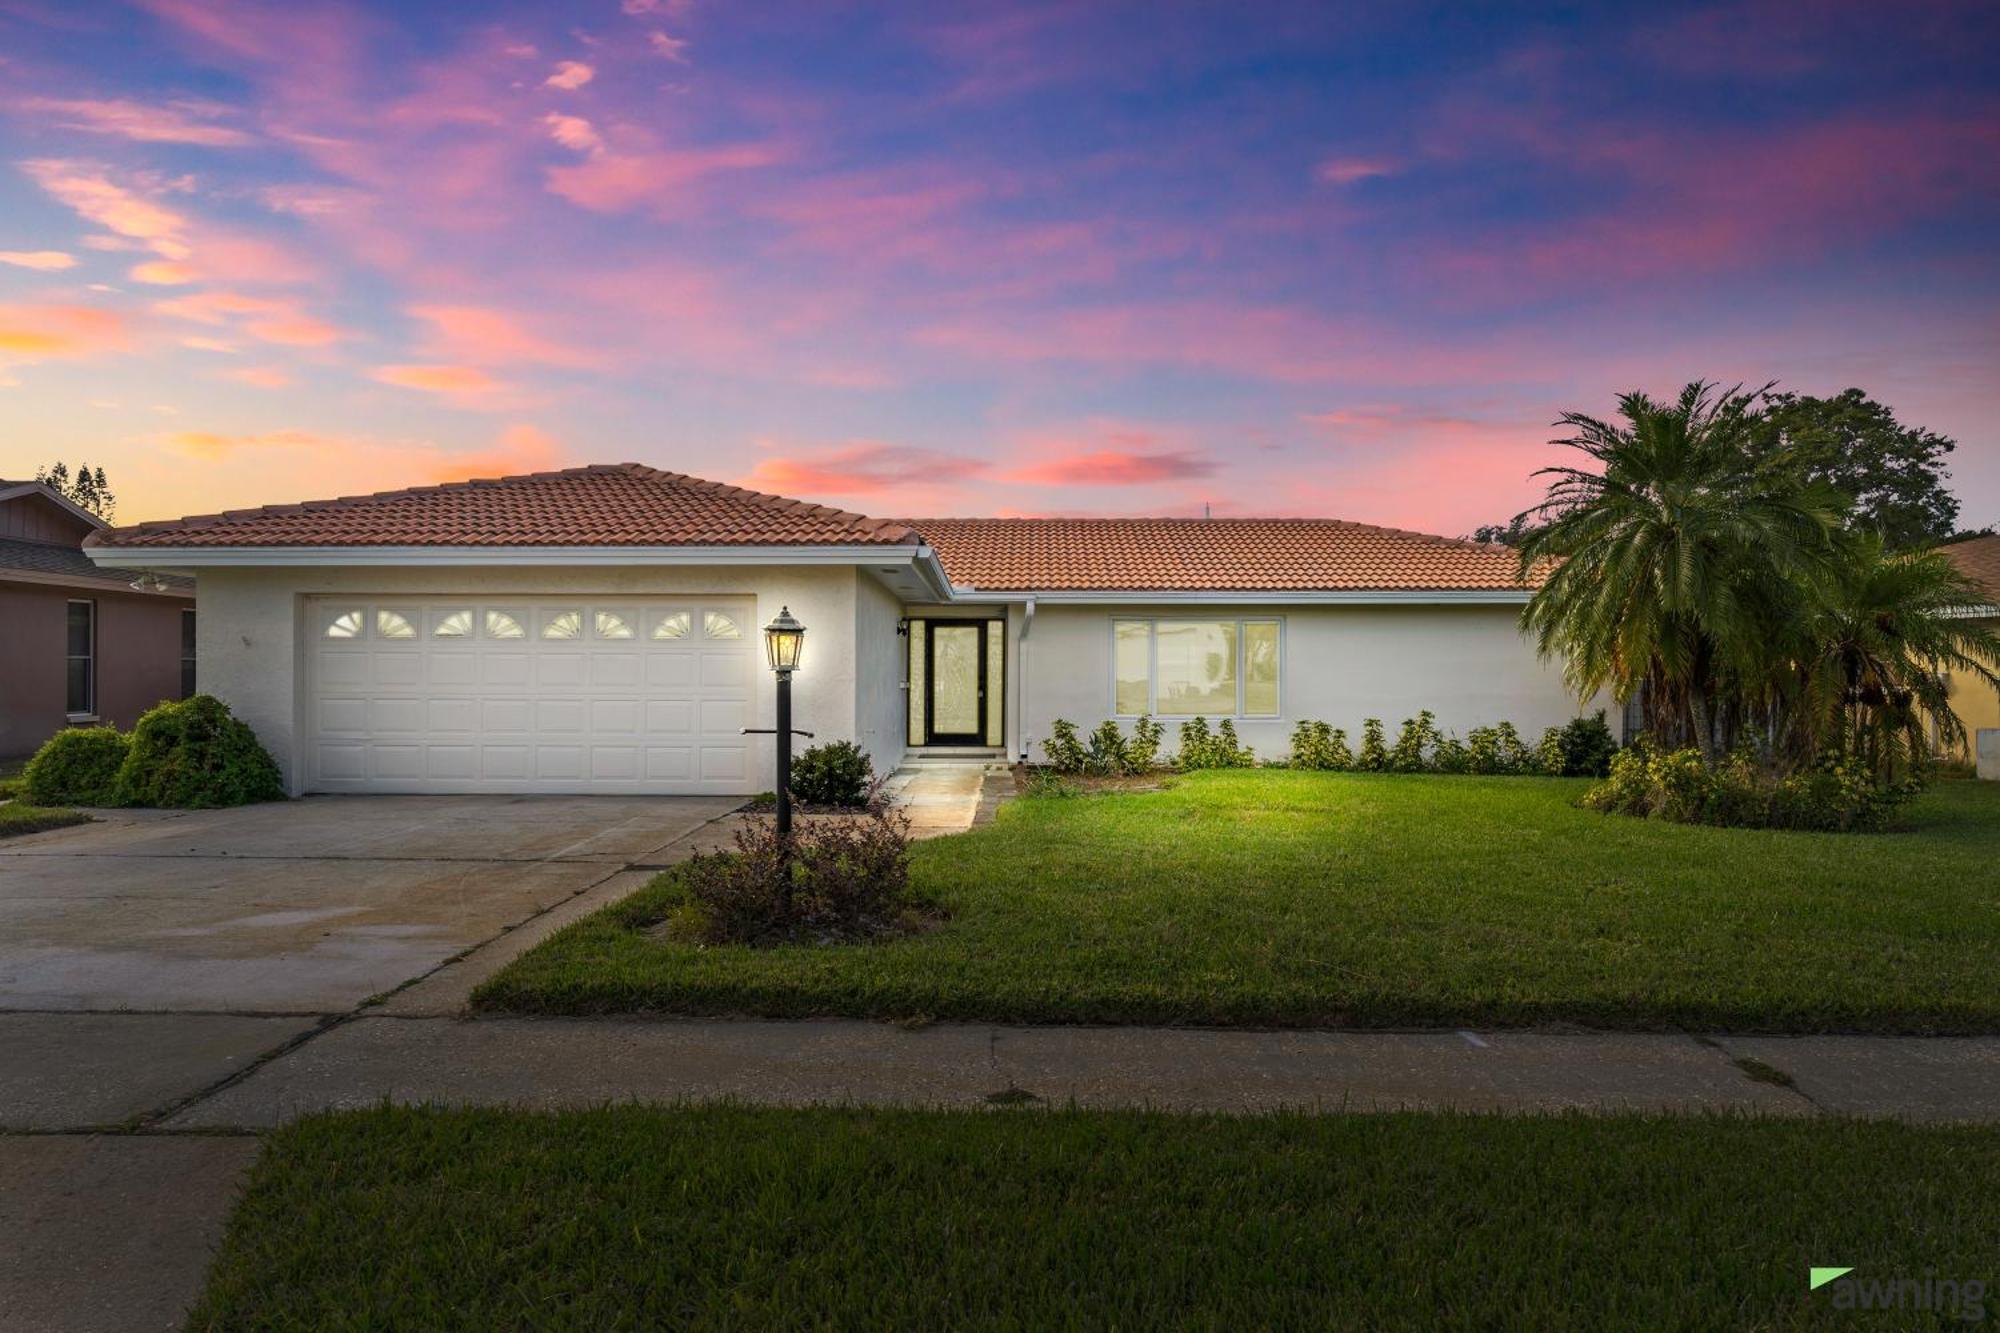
(547, 1063)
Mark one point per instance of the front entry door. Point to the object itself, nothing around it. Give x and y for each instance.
(957, 675)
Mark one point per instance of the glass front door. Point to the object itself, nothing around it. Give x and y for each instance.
(957, 678)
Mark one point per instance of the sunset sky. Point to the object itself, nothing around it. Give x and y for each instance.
(926, 259)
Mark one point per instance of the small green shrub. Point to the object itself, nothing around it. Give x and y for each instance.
(77, 766)
(838, 773)
(1374, 756)
(1587, 747)
(841, 879)
(1063, 749)
(1840, 794)
(1497, 750)
(1202, 748)
(1143, 754)
(194, 755)
(1319, 747)
(1107, 755)
(1451, 756)
(1415, 744)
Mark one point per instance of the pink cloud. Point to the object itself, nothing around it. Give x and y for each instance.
(615, 182)
(574, 133)
(670, 48)
(214, 444)
(484, 335)
(451, 381)
(521, 448)
(36, 332)
(862, 468)
(86, 189)
(570, 75)
(268, 319)
(183, 122)
(1114, 467)
(164, 273)
(262, 377)
(46, 261)
(1348, 170)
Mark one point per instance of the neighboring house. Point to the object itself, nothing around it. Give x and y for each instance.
(1977, 703)
(599, 630)
(80, 643)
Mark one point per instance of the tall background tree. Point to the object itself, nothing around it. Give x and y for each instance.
(86, 488)
(1895, 474)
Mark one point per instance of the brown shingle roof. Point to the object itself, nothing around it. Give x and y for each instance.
(1210, 555)
(609, 504)
(1980, 560)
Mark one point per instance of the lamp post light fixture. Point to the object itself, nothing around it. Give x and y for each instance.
(784, 639)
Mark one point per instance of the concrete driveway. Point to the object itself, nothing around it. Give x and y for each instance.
(301, 907)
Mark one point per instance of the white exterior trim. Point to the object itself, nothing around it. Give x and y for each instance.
(1231, 597)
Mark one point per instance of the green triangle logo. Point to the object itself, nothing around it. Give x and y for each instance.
(1819, 1277)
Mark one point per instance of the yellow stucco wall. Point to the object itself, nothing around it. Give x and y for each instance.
(1976, 703)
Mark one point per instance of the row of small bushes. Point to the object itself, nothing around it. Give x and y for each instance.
(1108, 753)
(189, 755)
(1582, 749)
(1839, 794)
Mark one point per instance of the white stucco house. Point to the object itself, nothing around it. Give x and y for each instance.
(597, 630)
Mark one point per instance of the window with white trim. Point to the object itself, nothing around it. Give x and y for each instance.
(1195, 667)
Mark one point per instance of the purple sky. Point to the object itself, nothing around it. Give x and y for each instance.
(924, 259)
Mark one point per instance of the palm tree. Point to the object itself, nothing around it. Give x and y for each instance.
(1891, 628)
(1673, 560)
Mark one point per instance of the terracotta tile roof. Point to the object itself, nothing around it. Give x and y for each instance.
(1210, 554)
(1980, 559)
(612, 504)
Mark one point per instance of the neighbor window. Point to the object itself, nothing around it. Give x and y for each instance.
(1185, 668)
(82, 659)
(187, 653)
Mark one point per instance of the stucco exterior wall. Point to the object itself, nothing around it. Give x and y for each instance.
(1469, 665)
(250, 639)
(880, 725)
(1976, 703)
(138, 658)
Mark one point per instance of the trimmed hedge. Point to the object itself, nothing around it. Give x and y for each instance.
(196, 755)
(77, 766)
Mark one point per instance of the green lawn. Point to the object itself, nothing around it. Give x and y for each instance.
(1275, 898)
(17, 819)
(735, 1217)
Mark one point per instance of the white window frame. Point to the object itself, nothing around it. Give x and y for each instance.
(1152, 624)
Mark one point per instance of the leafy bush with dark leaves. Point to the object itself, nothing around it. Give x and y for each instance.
(838, 773)
(843, 878)
(195, 755)
(1587, 747)
(77, 766)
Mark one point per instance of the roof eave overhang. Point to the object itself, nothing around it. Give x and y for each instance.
(188, 558)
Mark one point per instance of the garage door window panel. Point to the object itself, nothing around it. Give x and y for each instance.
(504, 625)
(563, 625)
(452, 625)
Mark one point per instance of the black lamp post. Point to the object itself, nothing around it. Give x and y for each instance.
(783, 640)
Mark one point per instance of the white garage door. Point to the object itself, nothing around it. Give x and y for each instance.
(529, 694)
